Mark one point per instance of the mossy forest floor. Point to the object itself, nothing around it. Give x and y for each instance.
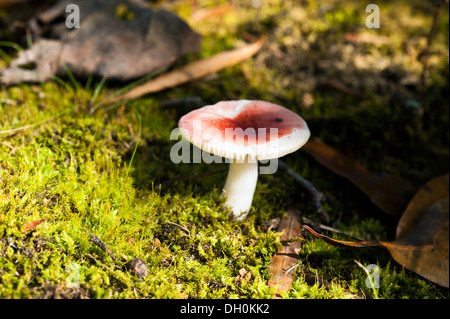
(106, 173)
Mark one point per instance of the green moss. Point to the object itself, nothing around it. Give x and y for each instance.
(76, 170)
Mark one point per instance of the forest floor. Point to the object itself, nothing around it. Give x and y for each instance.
(108, 176)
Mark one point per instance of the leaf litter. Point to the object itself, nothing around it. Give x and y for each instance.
(192, 71)
(422, 239)
(105, 45)
(283, 263)
(389, 193)
(423, 245)
(440, 238)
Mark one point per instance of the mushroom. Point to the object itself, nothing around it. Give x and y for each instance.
(244, 132)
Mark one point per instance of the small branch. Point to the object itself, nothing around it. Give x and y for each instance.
(292, 268)
(180, 227)
(317, 197)
(426, 52)
(372, 284)
(101, 244)
(9, 145)
(333, 230)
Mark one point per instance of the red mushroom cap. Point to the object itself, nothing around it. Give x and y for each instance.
(237, 129)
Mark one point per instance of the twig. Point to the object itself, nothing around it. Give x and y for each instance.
(317, 197)
(341, 88)
(13, 148)
(180, 227)
(293, 267)
(369, 277)
(296, 265)
(426, 52)
(101, 244)
(332, 229)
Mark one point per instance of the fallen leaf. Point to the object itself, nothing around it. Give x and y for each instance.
(32, 224)
(429, 193)
(425, 248)
(341, 243)
(389, 193)
(104, 45)
(244, 275)
(282, 264)
(211, 12)
(192, 71)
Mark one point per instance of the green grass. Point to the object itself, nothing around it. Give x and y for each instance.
(104, 173)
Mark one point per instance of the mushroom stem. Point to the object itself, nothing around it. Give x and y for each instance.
(240, 186)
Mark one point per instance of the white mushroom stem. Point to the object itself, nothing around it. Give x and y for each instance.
(240, 187)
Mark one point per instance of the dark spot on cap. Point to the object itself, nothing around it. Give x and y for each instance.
(277, 119)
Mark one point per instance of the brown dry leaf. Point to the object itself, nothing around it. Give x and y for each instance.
(281, 266)
(424, 250)
(105, 44)
(32, 224)
(211, 12)
(441, 240)
(193, 71)
(244, 275)
(389, 193)
(435, 189)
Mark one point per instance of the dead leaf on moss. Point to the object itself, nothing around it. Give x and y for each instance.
(389, 193)
(424, 249)
(282, 265)
(429, 193)
(243, 275)
(32, 224)
(192, 71)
